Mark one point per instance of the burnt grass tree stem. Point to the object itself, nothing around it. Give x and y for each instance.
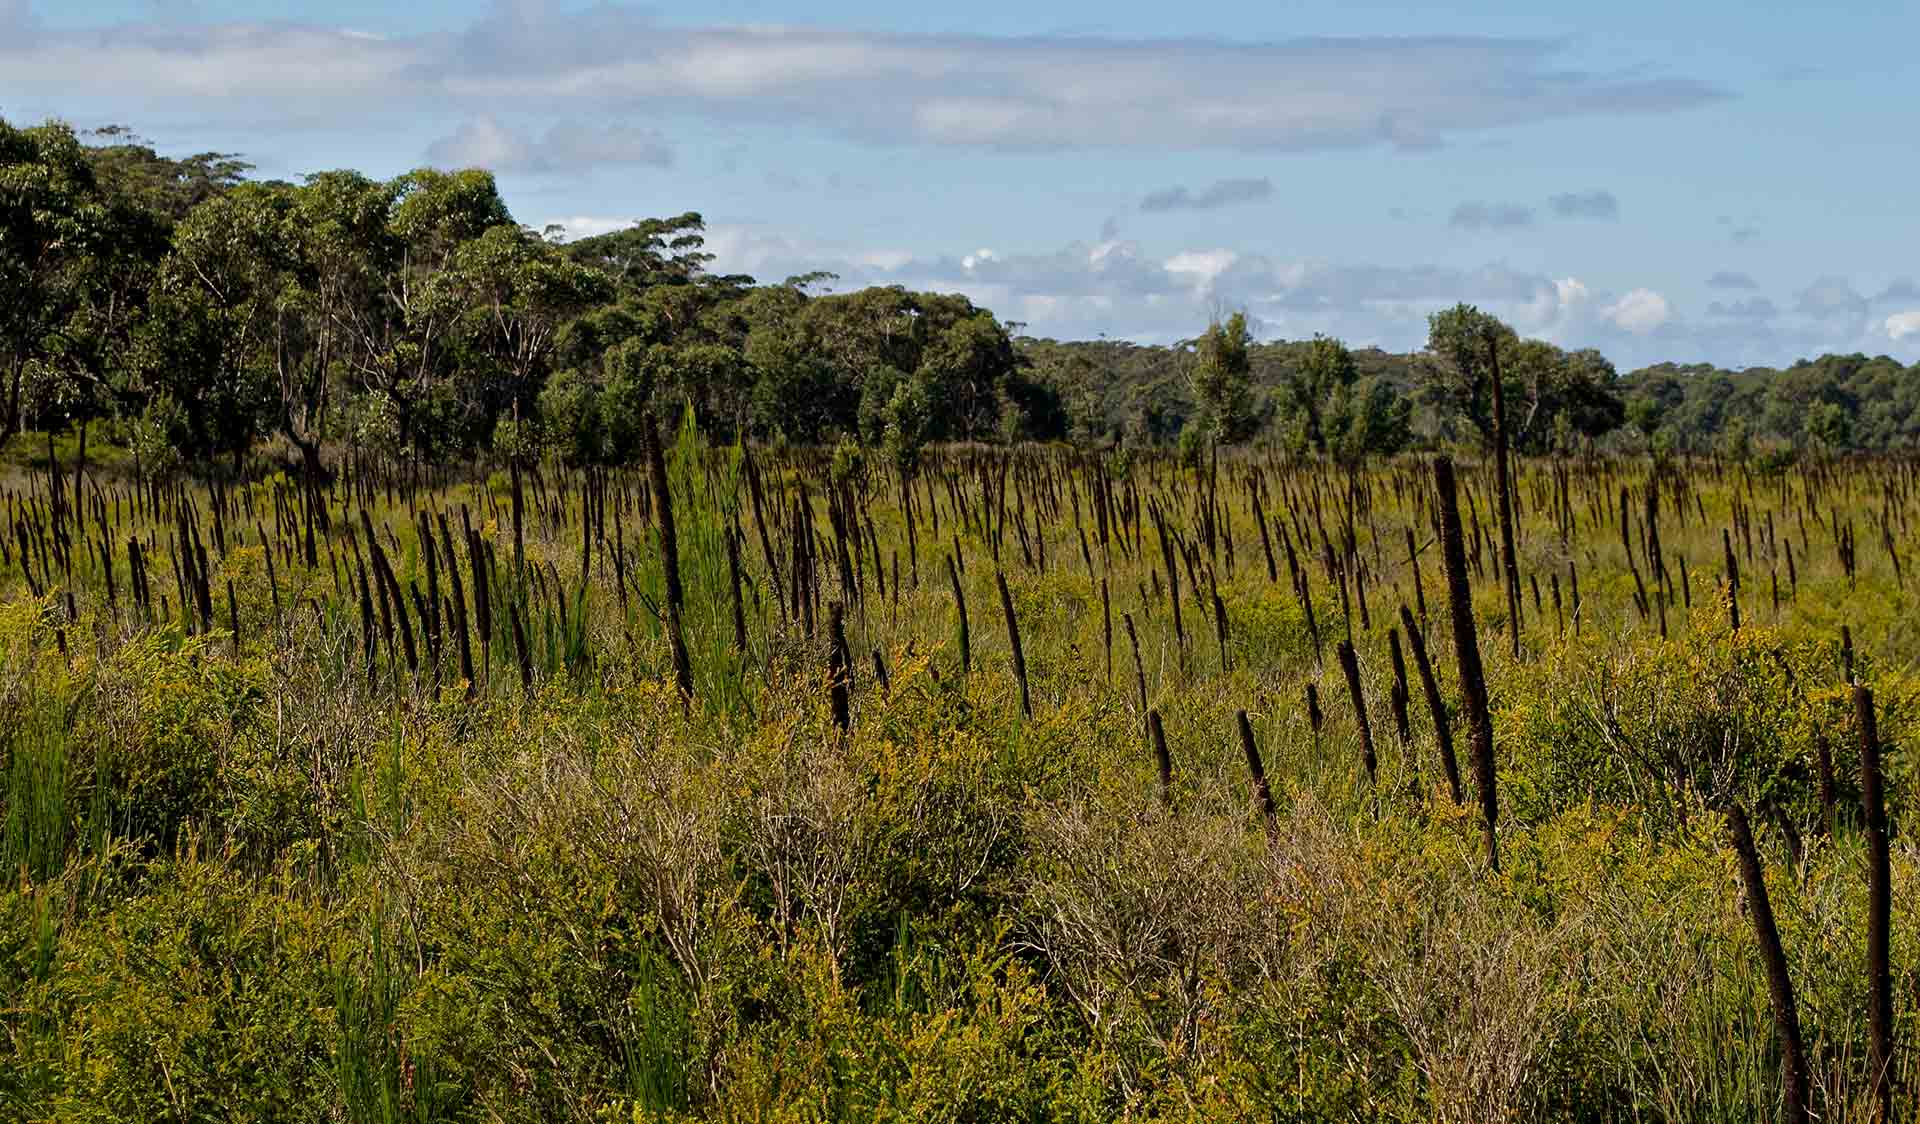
(669, 554)
(1262, 792)
(459, 604)
(1139, 668)
(1399, 697)
(839, 667)
(1824, 777)
(1013, 641)
(520, 647)
(960, 609)
(1786, 1018)
(733, 579)
(1510, 566)
(1350, 667)
(1473, 681)
(1879, 909)
(1162, 760)
(1430, 686)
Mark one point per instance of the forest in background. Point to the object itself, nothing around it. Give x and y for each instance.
(178, 312)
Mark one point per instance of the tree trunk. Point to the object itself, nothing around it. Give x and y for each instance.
(10, 409)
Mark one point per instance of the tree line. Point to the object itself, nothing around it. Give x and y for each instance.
(188, 313)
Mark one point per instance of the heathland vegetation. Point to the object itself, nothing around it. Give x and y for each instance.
(451, 674)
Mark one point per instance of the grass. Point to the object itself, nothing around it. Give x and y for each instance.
(257, 878)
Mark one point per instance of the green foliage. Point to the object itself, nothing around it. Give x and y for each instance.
(1673, 729)
(1547, 392)
(1222, 388)
(575, 425)
(202, 992)
(905, 421)
(379, 1079)
(1326, 408)
(1837, 402)
(278, 309)
(1328, 370)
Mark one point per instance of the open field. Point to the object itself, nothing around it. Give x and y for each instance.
(381, 802)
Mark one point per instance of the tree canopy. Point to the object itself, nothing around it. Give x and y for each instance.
(196, 313)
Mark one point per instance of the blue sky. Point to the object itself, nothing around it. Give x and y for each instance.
(1708, 181)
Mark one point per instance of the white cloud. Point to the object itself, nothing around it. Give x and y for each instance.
(1110, 287)
(1639, 312)
(1202, 266)
(587, 226)
(745, 249)
(1035, 92)
(1569, 309)
(485, 142)
(481, 143)
(883, 259)
(1901, 325)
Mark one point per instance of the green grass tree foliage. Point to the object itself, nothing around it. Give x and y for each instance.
(1221, 381)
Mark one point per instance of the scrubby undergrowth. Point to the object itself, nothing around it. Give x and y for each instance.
(250, 881)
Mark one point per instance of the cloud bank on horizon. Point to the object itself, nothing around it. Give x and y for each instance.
(544, 95)
(1111, 288)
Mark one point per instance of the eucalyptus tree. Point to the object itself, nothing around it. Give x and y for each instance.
(1546, 391)
(52, 222)
(968, 372)
(85, 365)
(166, 187)
(232, 294)
(648, 254)
(516, 292)
(424, 287)
(1456, 381)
